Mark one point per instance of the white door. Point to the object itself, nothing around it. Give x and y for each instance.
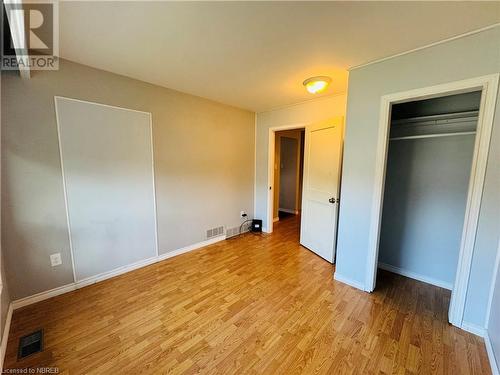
(320, 199)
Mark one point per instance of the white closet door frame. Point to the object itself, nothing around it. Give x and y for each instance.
(489, 86)
(65, 194)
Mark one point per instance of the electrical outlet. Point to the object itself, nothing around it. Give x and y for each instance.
(55, 259)
(243, 214)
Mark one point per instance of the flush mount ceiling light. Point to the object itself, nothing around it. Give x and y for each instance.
(317, 84)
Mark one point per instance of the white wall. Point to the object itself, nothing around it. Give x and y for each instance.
(467, 57)
(300, 115)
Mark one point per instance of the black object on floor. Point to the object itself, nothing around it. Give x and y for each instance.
(30, 344)
(256, 226)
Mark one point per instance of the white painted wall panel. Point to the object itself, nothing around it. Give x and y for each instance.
(107, 164)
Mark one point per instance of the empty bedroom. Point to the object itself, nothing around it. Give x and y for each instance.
(264, 187)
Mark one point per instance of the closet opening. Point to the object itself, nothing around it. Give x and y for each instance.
(429, 160)
(487, 86)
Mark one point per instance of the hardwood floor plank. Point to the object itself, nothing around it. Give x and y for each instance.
(257, 304)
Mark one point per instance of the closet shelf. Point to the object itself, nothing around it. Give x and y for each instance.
(463, 123)
(447, 116)
(431, 135)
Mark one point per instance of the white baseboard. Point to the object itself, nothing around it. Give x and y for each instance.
(189, 248)
(5, 336)
(42, 296)
(474, 329)
(107, 275)
(289, 211)
(117, 271)
(483, 332)
(495, 368)
(345, 280)
(416, 276)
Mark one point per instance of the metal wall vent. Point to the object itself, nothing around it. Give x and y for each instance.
(30, 344)
(215, 232)
(231, 232)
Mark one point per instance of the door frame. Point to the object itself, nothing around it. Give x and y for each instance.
(488, 85)
(270, 169)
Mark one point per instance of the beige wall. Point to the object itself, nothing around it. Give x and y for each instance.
(203, 155)
(299, 114)
(4, 293)
(4, 301)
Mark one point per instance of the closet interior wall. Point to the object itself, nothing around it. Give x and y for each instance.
(427, 178)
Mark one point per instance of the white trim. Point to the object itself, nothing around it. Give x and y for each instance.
(5, 335)
(65, 194)
(416, 276)
(345, 280)
(270, 170)
(189, 248)
(107, 275)
(378, 195)
(489, 86)
(101, 104)
(481, 332)
(117, 271)
(426, 46)
(288, 211)
(495, 368)
(155, 209)
(474, 329)
(22, 302)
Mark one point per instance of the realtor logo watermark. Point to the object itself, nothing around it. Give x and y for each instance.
(30, 35)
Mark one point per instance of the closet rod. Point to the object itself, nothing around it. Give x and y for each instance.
(430, 136)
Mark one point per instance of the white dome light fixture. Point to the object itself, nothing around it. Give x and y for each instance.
(317, 84)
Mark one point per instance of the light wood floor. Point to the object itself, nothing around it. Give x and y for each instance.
(258, 305)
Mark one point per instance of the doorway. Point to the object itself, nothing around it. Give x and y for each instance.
(320, 188)
(484, 88)
(288, 174)
(429, 158)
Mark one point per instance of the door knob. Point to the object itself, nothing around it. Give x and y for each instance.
(331, 200)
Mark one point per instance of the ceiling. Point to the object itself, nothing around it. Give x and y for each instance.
(255, 55)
